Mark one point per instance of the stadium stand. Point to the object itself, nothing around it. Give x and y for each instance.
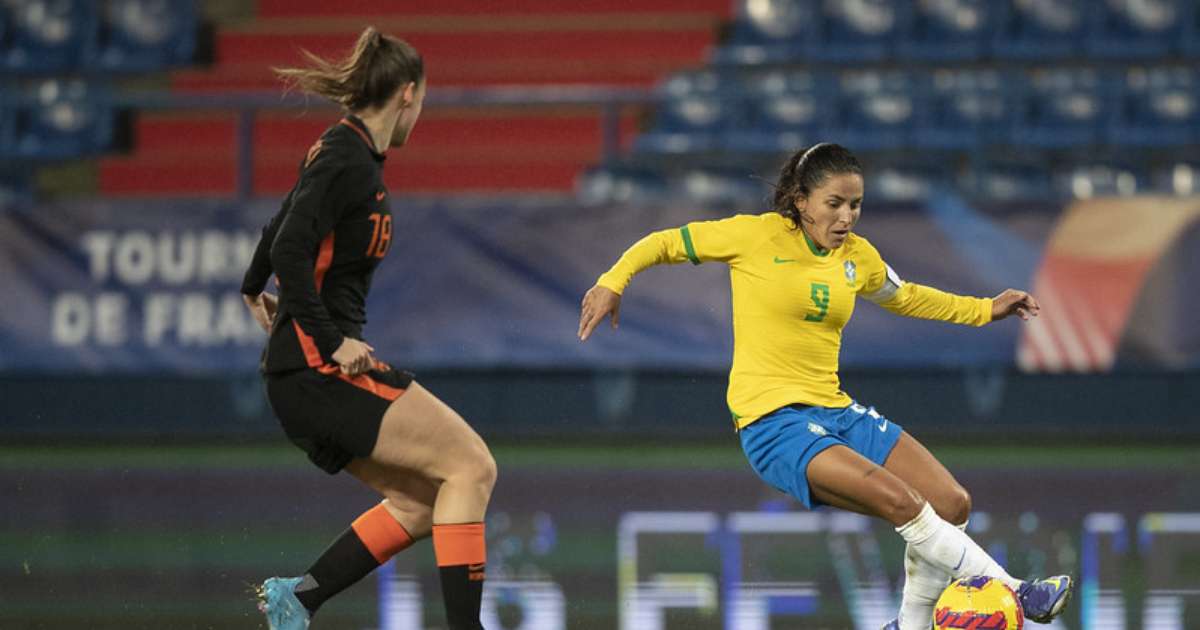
(999, 98)
(1006, 99)
(472, 150)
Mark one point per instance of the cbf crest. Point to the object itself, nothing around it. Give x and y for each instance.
(851, 272)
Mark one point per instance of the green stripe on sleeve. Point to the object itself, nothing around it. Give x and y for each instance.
(687, 245)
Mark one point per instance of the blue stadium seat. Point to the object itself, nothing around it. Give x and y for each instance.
(785, 110)
(694, 110)
(1189, 34)
(862, 30)
(1127, 30)
(1099, 178)
(721, 187)
(145, 35)
(1176, 178)
(771, 31)
(1064, 108)
(1040, 29)
(1157, 106)
(48, 35)
(906, 179)
(949, 30)
(66, 118)
(966, 109)
(605, 185)
(1008, 180)
(875, 109)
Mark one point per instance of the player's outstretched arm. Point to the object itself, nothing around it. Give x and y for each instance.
(598, 302)
(1014, 302)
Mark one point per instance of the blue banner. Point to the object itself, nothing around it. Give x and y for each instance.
(153, 286)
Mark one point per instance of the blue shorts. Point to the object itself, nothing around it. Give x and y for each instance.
(780, 444)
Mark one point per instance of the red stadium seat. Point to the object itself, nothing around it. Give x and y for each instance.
(522, 42)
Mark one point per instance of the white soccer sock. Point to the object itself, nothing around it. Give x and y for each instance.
(949, 549)
(923, 585)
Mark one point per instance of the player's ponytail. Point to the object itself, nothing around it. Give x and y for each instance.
(806, 170)
(372, 72)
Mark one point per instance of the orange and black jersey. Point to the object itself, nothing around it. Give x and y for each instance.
(323, 246)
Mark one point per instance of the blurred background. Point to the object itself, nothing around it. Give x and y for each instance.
(1044, 144)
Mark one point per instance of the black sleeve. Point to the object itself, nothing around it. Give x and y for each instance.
(327, 187)
(260, 270)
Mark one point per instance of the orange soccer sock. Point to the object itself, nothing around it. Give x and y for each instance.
(462, 560)
(371, 540)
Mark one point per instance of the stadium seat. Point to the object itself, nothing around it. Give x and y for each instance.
(874, 109)
(607, 185)
(784, 110)
(1157, 106)
(1063, 108)
(1008, 180)
(65, 118)
(967, 109)
(770, 31)
(906, 179)
(950, 30)
(721, 187)
(694, 109)
(1176, 178)
(1189, 32)
(1095, 178)
(145, 35)
(1039, 29)
(1128, 30)
(48, 35)
(864, 30)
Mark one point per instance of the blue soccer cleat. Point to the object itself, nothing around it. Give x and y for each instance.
(1043, 600)
(277, 600)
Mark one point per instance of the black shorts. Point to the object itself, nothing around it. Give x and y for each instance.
(333, 417)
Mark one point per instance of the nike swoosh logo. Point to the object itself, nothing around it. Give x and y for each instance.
(780, 261)
(960, 559)
(380, 195)
(883, 427)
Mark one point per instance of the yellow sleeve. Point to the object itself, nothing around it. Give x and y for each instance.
(699, 241)
(884, 287)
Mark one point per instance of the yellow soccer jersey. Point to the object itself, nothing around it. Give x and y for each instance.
(791, 300)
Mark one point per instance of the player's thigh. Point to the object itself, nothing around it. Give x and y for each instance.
(840, 477)
(913, 463)
(423, 434)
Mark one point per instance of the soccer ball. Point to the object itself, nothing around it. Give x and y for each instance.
(978, 603)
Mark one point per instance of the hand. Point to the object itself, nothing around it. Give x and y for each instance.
(354, 356)
(1012, 301)
(263, 307)
(598, 302)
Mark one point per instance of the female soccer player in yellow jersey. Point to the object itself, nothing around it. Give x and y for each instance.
(795, 274)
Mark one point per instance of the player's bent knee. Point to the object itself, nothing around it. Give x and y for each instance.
(485, 469)
(957, 506)
(900, 504)
(477, 467)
